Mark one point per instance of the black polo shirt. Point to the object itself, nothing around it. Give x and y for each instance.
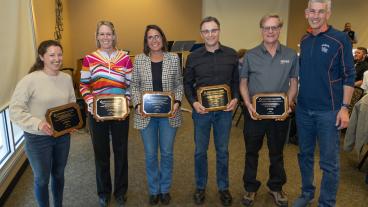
(360, 68)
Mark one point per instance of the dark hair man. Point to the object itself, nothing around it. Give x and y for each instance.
(212, 65)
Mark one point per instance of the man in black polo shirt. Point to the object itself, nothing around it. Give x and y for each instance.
(360, 64)
(211, 65)
(268, 68)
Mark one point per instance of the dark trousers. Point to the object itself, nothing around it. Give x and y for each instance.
(101, 133)
(254, 131)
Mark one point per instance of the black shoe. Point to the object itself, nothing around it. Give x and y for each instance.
(103, 201)
(165, 198)
(120, 200)
(153, 200)
(225, 197)
(199, 196)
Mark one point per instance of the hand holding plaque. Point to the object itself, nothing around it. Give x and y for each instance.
(157, 104)
(271, 106)
(110, 107)
(64, 119)
(214, 98)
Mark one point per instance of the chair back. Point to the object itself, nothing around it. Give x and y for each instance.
(357, 95)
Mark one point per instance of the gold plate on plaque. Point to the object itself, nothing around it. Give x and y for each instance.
(214, 98)
(157, 104)
(63, 119)
(110, 107)
(271, 105)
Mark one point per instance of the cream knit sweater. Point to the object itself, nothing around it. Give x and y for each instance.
(36, 93)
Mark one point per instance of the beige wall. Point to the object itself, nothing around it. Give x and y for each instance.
(297, 24)
(240, 19)
(68, 59)
(355, 12)
(352, 11)
(178, 19)
(44, 13)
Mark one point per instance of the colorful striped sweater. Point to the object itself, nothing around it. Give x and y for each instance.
(104, 74)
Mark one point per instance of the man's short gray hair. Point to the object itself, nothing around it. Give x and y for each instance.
(328, 2)
(269, 16)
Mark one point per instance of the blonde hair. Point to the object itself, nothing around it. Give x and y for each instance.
(111, 26)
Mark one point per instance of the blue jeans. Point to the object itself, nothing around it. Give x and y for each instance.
(221, 122)
(319, 126)
(47, 156)
(159, 134)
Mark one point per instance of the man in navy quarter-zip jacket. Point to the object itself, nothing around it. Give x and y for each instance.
(326, 78)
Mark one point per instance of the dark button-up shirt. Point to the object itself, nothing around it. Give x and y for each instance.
(204, 68)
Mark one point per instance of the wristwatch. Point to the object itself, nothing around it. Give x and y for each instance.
(348, 106)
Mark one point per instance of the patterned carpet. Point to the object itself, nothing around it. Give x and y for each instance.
(80, 186)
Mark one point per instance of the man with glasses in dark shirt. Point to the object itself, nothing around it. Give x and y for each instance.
(211, 65)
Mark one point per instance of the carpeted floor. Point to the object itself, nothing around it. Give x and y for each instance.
(80, 186)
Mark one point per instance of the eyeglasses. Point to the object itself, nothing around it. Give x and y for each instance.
(272, 28)
(212, 31)
(154, 37)
(319, 12)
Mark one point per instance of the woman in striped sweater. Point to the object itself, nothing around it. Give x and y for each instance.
(108, 71)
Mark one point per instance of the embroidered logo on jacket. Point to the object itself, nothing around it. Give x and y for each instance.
(284, 62)
(324, 48)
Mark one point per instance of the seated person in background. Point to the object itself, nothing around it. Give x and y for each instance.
(357, 133)
(360, 65)
(365, 82)
(352, 35)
